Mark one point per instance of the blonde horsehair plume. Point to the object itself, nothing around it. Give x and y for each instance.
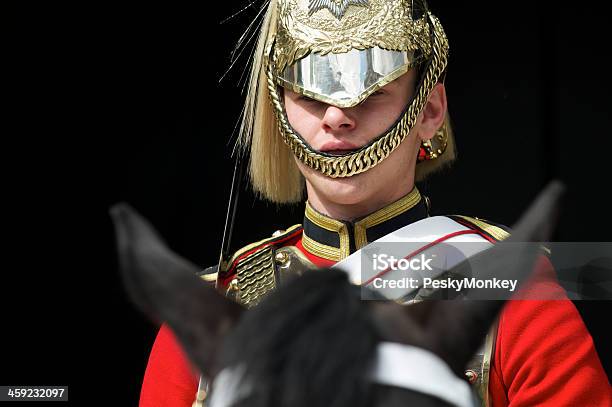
(272, 168)
(273, 171)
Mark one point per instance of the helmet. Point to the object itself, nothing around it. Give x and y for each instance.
(338, 52)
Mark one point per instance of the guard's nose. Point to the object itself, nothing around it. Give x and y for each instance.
(337, 119)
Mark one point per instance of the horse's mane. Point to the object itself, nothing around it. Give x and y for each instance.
(291, 343)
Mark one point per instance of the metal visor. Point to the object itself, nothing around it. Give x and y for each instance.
(347, 79)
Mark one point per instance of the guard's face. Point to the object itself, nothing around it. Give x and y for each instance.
(334, 130)
(339, 131)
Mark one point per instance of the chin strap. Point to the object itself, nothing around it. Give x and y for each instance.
(417, 369)
(397, 365)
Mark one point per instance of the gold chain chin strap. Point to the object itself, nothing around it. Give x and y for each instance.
(363, 160)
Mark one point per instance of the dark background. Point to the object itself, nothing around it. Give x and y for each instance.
(107, 103)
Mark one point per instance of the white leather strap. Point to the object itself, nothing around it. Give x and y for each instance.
(424, 231)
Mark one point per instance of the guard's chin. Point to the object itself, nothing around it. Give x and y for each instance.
(346, 191)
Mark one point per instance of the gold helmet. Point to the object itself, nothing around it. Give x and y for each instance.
(338, 52)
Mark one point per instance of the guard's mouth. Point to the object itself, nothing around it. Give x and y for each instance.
(340, 152)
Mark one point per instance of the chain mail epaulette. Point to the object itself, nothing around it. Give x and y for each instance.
(250, 272)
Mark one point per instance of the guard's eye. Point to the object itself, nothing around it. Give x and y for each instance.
(306, 99)
(376, 96)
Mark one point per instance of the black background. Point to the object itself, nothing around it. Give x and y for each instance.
(107, 103)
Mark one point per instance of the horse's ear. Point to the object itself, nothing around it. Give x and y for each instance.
(165, 287)
(458, 327)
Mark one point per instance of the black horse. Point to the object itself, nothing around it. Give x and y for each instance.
(314, 342)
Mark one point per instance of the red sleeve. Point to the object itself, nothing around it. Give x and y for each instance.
(544, 355)
(170, 380)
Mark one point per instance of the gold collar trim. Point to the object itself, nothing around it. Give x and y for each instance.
(335, 240)
(383, 215)
(320, 249)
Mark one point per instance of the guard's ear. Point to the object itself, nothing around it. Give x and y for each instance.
(432, 117)
(165, 287)
(458, 327)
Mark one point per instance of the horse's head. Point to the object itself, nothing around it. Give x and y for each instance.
(314, 341)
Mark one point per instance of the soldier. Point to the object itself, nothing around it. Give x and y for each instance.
(347, 99)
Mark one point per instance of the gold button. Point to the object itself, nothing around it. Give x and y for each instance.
(281, 257)
(233, 285)
(471, 376)
(201, 395)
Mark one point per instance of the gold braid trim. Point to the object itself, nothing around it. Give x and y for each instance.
(321, 250)
(400, 206)
(373, 154)
(391, 211)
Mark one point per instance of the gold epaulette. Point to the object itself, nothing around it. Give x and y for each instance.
(491, 230)
(488, 228)
(277, 238)
(252, 268)
(210, 274)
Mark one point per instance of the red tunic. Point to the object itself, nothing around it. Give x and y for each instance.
(544, 355)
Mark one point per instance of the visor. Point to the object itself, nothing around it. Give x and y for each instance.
(347, 79)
